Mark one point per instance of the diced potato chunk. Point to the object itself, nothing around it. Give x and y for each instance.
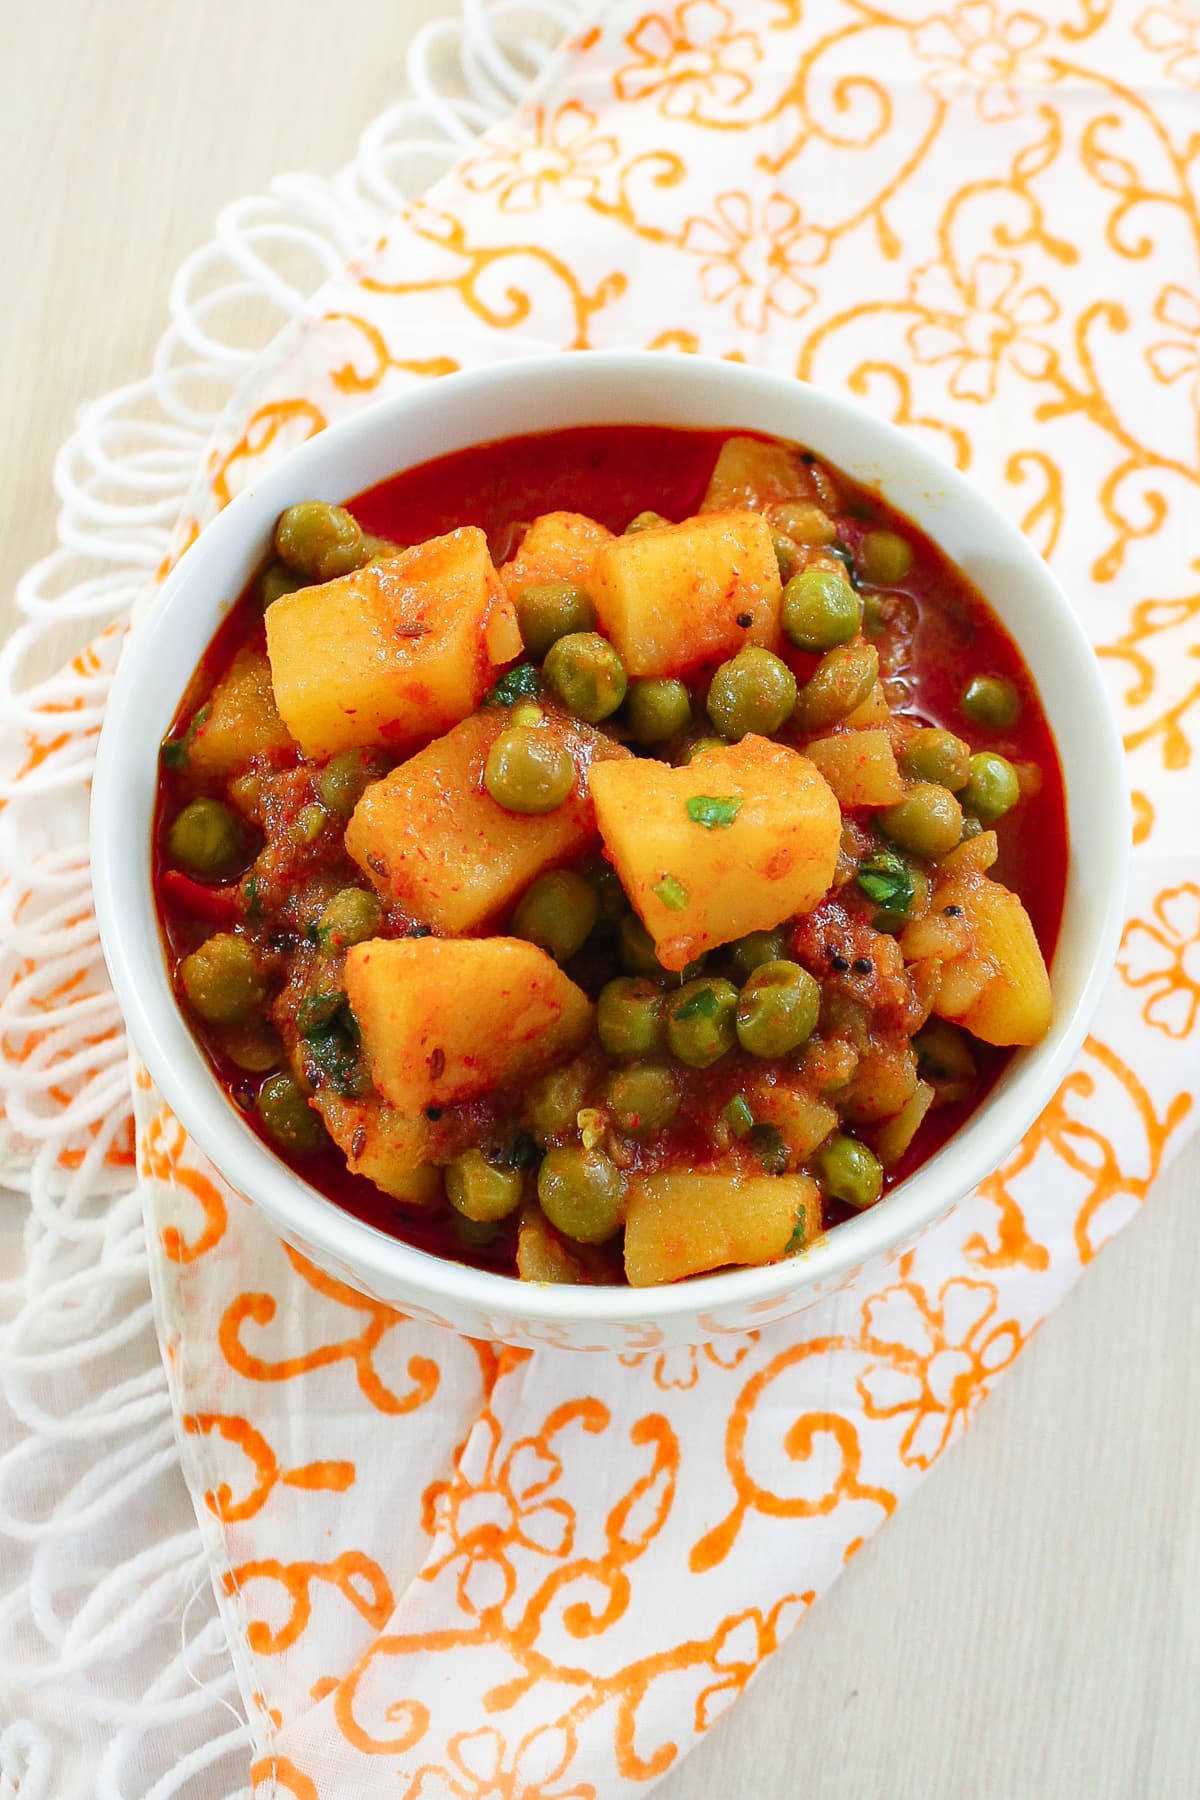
(993, 977)
(755, 472)
(241, 721)
(894, 1138)
(973, 854)
(860, 768)
(390, 654)
(769, 851)
(802, 1119)
(671, 597)
(559, 546)
(681, 1224)
(384, 1146)
(431, 837)
(541, 1256)
(447, 1019)
(874, 709)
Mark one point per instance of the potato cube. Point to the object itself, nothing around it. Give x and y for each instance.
(755, 472)
(559, 546)
(681, 1224)
(802, 1119)
(390, 654)
(671, 597)
(859, 766)
(447, 1019)
(240, 722)
(384, 1146)
(736, 841)
(1004, 995)
(431, 837)
(874, 709)
(893, 1139)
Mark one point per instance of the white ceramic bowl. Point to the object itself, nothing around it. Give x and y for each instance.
(542, 394)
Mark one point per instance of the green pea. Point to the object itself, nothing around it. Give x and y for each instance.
(586, 674)
(787, 556)
(342, 782)
(944, 1059)
(629, 1017)
(320, 541)
(223, 980)
(849, 1172)
(885, 558)
(480, 1192)
(610, 895)
(820, 610)
(656, 710)
(754, 691)
(927, 822)
(254, 1046)
(287, 1117)
(635, 949)
(557, 911)
(581, 1192)
(528, 770)
(206, 839)
(646, 521)
(755, 949)
(275, 581)
(935, 755)
(702, 1021)
(777, 1009)
(308, 824)
(700, 748)
(553, 1101)
(992, 702)
(351, 917)
(475, 1234)
(550, 610)
(837, 686)
(992, 787)
(644, 1097)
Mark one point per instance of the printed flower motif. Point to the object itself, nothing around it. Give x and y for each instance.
(1163, 956)
(977, 324)
(1174, 33)
(682, 1367)
(742, 1643)
(978, 46)
(694, 60)
(502, 1512)
(560, 158)
(753, 263)
(1177, 358)
(481, 1770)
(939, 1360)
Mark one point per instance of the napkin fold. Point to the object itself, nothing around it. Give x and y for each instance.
(452, 1569)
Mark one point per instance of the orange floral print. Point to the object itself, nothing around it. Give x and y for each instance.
(1163, 956)
(752, 260)
(560, 156)
(1178, 358)
(504, 1511)
(1173, 32)
(743, 1642)
(482, 1770)
(940, 1361)
(976, 324)
(978, 46)
(693, 59)
(681, 1368)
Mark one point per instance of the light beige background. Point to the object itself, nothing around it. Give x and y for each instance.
(1029, 1626)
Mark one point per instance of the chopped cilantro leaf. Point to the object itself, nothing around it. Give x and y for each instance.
(176, 751)
(672, 893)
(714, 811)
(703, 1004)
(520, 683)
(799, 1235)
(767, 1143)
(738, 1115)
(334, 1049)
(886, 879)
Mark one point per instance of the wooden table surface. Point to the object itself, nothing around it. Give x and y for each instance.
(1029, 1626)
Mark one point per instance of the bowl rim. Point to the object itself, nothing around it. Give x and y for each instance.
(137, 963)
